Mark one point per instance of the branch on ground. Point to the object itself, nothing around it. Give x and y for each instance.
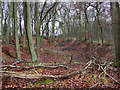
(31, 76)
(34, 66)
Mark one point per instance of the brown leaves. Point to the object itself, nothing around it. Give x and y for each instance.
(53, 54)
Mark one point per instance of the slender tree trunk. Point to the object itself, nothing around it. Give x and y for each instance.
(115, 12)
(64, 29)
(47, 33)
(20, 26)
(86, 23)
(29, 34)
(68, 26)
(42, 33)
(32, 27)
(102, 38)
(37, 32)
(13, 23)
(101, 31)
(18, 54)
(8, 27)
(2, 31)
(25, 25)
(24, 38)
(80, 27)
(53, 28)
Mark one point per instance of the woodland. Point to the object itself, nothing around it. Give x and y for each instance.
(59, 45)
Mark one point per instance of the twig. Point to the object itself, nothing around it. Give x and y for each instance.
(110, 76)
(35, 71)
(18, 61)
(106, 72)
(98, 81)
(93, 86)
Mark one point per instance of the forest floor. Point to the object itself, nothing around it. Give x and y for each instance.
(71, 53)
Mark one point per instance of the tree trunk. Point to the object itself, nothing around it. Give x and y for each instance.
(29, 34)
(37, 31)
(32, 27)
(53, 28)
(115, 12)
(20, 25)
(2, 31)
(80, 27)
(13, 23)
(101, 31)
(47, 28)
(25, 25)
(86, 23)
(68, 26)
(18, 54)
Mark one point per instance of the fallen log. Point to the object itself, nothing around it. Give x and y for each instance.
(32, 76)
(33, 66)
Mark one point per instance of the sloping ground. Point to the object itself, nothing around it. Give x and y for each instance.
(82, 51)
(61, 54)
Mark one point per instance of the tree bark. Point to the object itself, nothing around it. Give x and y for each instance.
(25, 25)
(13, 23)
(101, 30)
(80, 27)
(18, 54)
(53, 28)
(115, 12)
(2, 31)
(8, 27)
(37, 31)
(29, 34)
(86, 23)
(20, 26)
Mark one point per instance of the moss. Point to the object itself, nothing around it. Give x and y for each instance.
(117, 62)
(94, 77)
(45, 82)
(8, 54)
